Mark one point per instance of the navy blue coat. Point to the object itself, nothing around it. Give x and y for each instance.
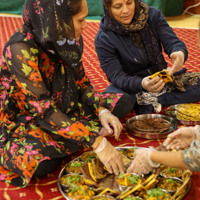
(123, 63)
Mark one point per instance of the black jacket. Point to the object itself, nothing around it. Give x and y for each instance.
(124, 64)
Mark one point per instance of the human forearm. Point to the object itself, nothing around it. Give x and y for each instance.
(172, 159)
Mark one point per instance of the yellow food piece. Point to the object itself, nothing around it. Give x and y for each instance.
(130, 191)
(150, 183)
(89, 182)
(126, 181)
(150, 178)
(188, 112)
(106, 190)
(90, 166)
(163, 75)
(83, 192)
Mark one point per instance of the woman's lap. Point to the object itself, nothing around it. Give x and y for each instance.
(167, 99)
(178, 97)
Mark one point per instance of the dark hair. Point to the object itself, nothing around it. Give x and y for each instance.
(137, 7)
(76, 6)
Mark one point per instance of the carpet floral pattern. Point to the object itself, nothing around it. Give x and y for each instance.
(46, 188)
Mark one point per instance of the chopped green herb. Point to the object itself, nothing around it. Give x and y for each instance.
(170, 180)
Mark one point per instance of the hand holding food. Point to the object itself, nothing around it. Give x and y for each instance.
(153, 85)
(142, 163)
(110, 157)
(180, 138)
(164, 75)
(178, 58)
(107, 120)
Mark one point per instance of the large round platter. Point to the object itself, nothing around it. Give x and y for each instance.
(110, 180)
(151, 135)
(172, 111)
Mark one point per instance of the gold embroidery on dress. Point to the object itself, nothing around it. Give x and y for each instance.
(62, 69)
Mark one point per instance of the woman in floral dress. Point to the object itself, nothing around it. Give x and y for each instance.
(49, 108)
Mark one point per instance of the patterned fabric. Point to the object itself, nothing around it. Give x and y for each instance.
(191, 156)
(146, 98)
(182, 81)
(48, 106)
(186, 81)
(140, 31)
(52, 25)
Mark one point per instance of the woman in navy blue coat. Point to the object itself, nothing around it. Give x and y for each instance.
(130, 44)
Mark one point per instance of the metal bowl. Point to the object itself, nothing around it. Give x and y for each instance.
(123, 187)
(177, 182)
(65, 180)
(168, 172)
(167, 193)
(130, 152)
(151, 135)
(87, 156)
(74, 167)
(80, 192)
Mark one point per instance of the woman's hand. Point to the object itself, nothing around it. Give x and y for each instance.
(178, 58)
(153, 85)
(141, 163)
(108, 120)
(180, 138)
(105, 133)
(110, 157)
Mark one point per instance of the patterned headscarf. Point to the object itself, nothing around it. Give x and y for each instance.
(50, 21)
(51, 24)
(140, 31)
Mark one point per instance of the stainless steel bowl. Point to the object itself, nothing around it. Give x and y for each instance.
(174, 180)
(124, 187)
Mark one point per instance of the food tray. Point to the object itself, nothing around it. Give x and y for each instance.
(151, 135)
(110, 180)
(172, 111)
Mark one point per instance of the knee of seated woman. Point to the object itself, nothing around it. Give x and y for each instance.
(125, 105)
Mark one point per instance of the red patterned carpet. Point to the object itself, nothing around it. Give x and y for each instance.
(46, 188)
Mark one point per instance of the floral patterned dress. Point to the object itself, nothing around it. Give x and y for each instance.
(48, 109)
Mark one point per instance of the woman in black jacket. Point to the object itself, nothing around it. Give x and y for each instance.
(129, 46)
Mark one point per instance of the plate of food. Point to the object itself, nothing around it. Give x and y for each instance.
(95, 183)
(187, 114)
(151, 126)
